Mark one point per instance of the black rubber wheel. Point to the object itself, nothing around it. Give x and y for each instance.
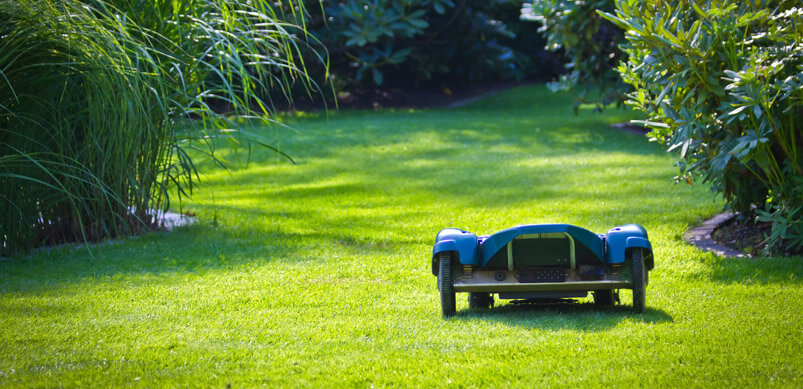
(446, 285)
(603, 297)
(639, 281)
(480, 300)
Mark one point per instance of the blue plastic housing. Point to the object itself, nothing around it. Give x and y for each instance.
(610, 249)
(621, 239)
(463, 243)
(497, 241)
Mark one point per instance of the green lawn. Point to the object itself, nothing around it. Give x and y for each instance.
(318, 274)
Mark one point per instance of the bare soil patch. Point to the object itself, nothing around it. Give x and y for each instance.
(743, 235)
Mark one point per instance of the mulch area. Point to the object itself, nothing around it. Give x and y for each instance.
(742, 235)
(731, 235)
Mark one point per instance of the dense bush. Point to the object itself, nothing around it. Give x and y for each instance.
(722, 85)
(94, 102)
(406, 42)
(588, 41)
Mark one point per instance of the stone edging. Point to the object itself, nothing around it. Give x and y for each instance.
(700, 236)
(171, 220)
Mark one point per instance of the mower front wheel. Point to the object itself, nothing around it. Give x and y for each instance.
(446, 285)
(639, 281)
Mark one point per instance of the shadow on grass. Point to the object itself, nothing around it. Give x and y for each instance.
(776, 270)
(387, 133)
(369, 183)
(579, 316)
(471, 168)
(199, 248)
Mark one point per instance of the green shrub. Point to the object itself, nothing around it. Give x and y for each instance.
(95, 102)
(588, 41)
(404, 42)
(721, 84)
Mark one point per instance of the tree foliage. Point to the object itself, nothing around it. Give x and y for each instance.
(722, 85)
(588, 41)
(374, 42)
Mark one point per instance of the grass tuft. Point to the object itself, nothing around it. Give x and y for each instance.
(95, 98)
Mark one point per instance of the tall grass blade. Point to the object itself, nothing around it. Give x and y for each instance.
(101, 99)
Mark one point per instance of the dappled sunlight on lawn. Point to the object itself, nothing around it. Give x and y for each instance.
(312, 271)
(364, 170)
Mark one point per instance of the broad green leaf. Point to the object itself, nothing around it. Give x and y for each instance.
(377, 76)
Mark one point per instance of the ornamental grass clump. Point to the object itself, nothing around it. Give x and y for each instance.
(722, 85)
(101, 100)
